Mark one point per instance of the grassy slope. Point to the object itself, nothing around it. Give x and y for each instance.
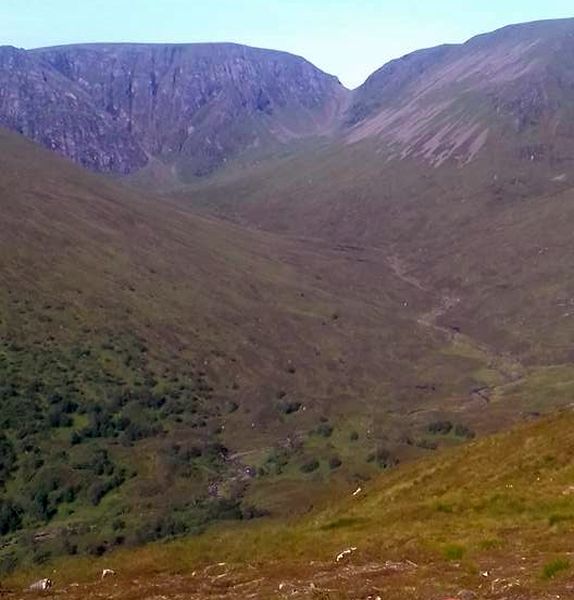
(461, 511)
(491, 234)
(456, 515)
(169, 332)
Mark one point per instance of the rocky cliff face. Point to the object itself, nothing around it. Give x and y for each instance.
(42, 104)
(114, 107)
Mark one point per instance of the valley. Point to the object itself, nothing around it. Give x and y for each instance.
(233, 293)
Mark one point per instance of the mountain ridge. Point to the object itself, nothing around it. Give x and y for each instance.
(203, 102)
(325, 308)
(234, 100)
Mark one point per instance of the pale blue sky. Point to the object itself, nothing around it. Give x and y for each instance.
(347, 38)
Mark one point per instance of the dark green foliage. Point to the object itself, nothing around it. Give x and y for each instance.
(10, 517)
(440, 427)
(454, 552)
(7, 459)
(552, 568)
(108, 395)
(446, 427)
(276, 462)
(464, 432)
(324, 430)
(383, 458)
(231, 406)
(288, 407)
(335, 462)
(427, 444)
(310, 466)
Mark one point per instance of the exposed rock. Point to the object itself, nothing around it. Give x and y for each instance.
(113, 107)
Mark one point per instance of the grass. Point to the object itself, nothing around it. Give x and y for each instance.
(142, 296)
(145, 307)
(453, 552)
(108, 292)
(499, 524)
(555, 567)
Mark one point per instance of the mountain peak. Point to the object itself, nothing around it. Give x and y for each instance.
(447, 102)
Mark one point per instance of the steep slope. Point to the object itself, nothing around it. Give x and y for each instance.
(143, 349)
(512, 87)
(464, 524)
(47, 107)
(484, 225)
(115, 107)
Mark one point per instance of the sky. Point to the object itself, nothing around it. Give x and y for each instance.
(347, 38)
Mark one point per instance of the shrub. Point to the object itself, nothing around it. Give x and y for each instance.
(453, 552)
(231, 407)
(440, 427)
(335, 462)
(324, 430)
(276, 462)
(7, 458)
(10, 517)
(427, 444)
(383, 458)
(58, 418)
(289, 407)
(96, 492)
(310, 466)
(464, 432)
(552, 568)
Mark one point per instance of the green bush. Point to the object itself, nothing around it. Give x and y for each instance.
(324, 430)
(453, 552)
(552, 568)
(310, 466)
(384, 458)
(335, 462)
(464, 432)
(289, 407)
(10, 517)
(440, 427)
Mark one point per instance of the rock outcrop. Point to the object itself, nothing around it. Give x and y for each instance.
(112, 108)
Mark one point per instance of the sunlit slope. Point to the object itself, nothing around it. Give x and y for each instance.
(492, 518)
(144, 349)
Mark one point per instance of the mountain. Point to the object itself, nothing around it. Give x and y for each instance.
(511, 88)
(187, 110)
(483, 219)
(382, 275)
(114, 108)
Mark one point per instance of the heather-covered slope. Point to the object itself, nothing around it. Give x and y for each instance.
(143, 349)
(483, 220)
(491, 520)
